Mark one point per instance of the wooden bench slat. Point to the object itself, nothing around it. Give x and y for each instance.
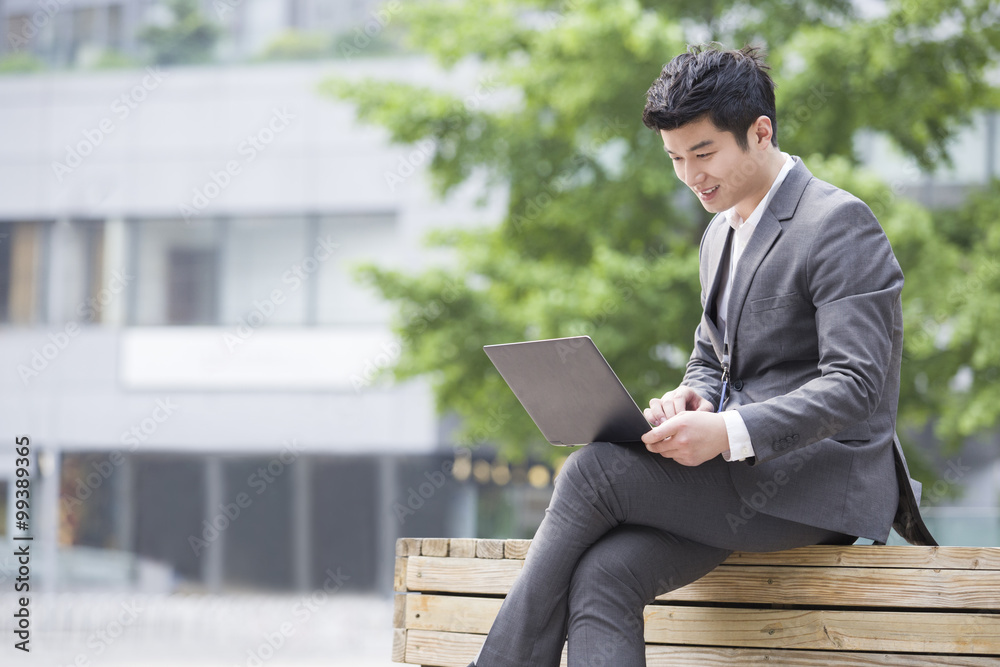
(452, 649)
(889, 557)
(892, 631)
(835, 606)
(846, 587)
(941, 558)
(975, 634)
(817, 586)
(462, 547)
(462, 575)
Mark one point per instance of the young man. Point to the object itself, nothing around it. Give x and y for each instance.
(782, 432)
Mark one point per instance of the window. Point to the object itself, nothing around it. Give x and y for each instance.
(191, 285)
(20, 272)
(176, 268)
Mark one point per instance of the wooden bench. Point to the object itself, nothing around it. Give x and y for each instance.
(819, 606)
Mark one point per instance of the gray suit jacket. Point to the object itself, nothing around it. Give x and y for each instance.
(815, 337)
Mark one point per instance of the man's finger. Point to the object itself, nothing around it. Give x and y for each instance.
(679, 403)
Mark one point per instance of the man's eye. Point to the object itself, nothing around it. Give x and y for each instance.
(704, 155)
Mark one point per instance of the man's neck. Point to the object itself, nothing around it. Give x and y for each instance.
(770, 166)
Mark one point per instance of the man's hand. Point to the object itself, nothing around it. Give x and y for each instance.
(673, 403)
(690, 438)
(686, 428)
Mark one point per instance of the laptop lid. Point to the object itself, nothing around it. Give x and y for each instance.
(569, 390)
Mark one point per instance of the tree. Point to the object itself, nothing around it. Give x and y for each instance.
(188, 38)
(598, 239)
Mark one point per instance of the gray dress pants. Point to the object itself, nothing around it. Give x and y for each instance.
(623, 526)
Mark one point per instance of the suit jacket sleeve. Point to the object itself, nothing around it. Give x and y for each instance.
(854, 284)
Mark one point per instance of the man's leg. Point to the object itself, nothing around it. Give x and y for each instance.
(615, 579)
(602, 486)
(597, 489)
(628, 567)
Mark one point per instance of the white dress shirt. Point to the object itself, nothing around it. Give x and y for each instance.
(740, 447)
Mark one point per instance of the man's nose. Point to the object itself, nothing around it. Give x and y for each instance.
(693, 175)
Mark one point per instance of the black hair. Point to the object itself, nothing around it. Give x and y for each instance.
(732, 88)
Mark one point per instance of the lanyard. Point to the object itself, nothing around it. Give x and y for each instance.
(725, 374)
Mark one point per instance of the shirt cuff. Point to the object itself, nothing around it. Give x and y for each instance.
(740, 447)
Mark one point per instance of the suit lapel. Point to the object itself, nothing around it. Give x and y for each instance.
(718, 255)
(782, 207)
(767, 232)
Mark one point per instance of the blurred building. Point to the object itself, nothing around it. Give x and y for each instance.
(66, 32)
(183, 340)
(180, 333)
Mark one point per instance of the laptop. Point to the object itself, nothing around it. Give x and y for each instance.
(569, 390)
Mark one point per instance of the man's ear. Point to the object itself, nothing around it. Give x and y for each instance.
(761, 132)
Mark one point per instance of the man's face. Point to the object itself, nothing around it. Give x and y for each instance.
(712, 164)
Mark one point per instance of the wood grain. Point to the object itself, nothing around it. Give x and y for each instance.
(491, 549)
(516, 549)
(450, 649)
(462, 575)
(942, 558)
(434, 546)
(846, 587)
(398, 645)
(806, 586)
(407, 546)
(929, 632)
(922, 632)
(462, 547)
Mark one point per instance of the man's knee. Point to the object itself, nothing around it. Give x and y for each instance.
(601, 575)
(603, 459)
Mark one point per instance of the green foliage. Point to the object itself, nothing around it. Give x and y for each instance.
(115, 60)
(598, 239)
(20, 62)
(298, 45)
(190, 37)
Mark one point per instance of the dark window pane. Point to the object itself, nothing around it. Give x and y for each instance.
(170, 500)
(345, 526)
(258, 541)
(191, 288)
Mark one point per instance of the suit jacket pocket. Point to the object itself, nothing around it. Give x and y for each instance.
(773, 302)
(859, 431)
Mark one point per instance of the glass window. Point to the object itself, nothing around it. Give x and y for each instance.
(352, 241)
(78, 273)
(263, 262)
(176, 269)
(21, 271)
